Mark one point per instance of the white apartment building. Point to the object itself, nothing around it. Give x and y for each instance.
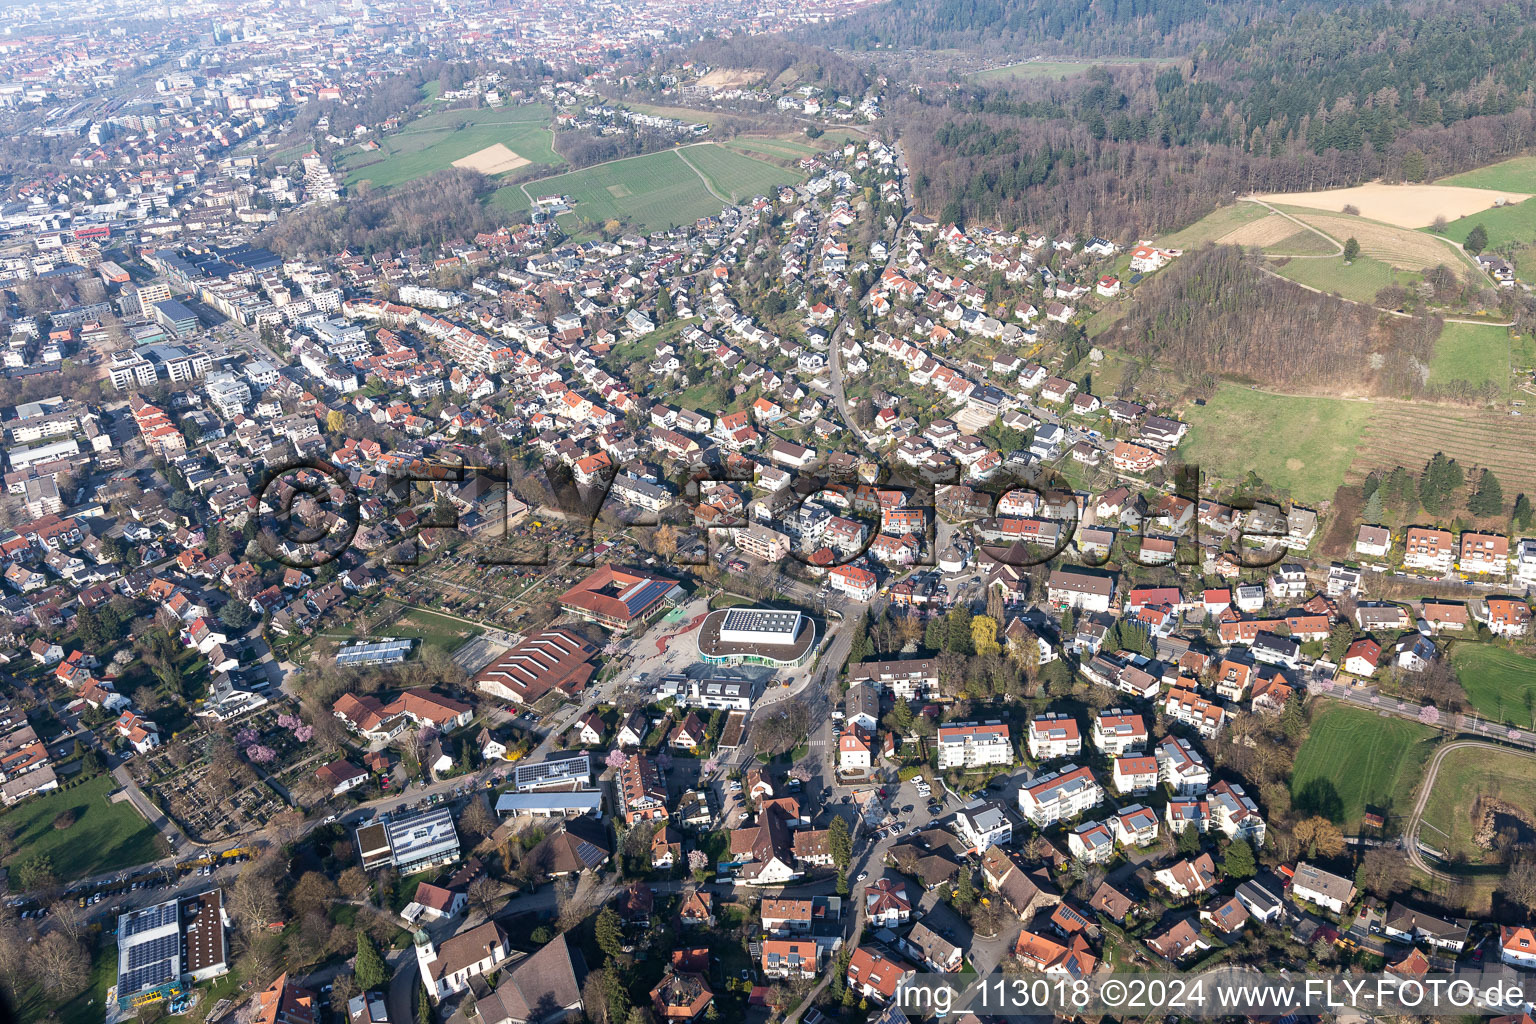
(1054, 735)
(1118, 731)
(1059, 796)
(973, 744)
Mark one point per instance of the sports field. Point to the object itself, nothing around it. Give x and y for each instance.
(1353, 759)
(437, 141)
(1517, 175)
(658, 190)
(1471, 782)
(1475, 353)
(1302, 444)
(1500, 683)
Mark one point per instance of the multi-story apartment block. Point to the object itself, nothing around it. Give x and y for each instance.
(1059, 796)
(973, 744)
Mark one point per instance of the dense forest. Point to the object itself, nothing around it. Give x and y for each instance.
(432, 210)
(1090, 28)
(1295, 97)
(1217, 313)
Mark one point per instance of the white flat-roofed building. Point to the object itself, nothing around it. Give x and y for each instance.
(759, 626)
(727, 694)
(760, 636)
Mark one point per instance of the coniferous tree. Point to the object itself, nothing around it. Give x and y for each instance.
(1522, 513)
(1477, 239)
(1373, 507)
(370, 971)
(1489, 498)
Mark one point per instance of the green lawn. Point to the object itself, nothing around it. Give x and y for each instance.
(782, 148)
(1050, 69)
(736, 174)
(433, 629)
(105, 836)
(1354, 758)
(1517, 175)
(1514, 224)
(1473, 353)
(88, 1006)
(1213, 226)
(1302, 444)
(1466, 776)
(1359, 281)
(434, 142)
(1500, 683)
(655, 191)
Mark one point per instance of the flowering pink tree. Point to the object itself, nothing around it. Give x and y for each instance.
(258, 754)
(711, 766)
(1429, 714)
(245, 737)
(698, 860)
(616, 759)
(664, 760)
(303, 733)
(289, 722)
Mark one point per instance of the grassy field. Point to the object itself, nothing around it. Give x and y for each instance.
(1214, 226)
(1408, 434)
(657, 190)
(1500, 683)
(1505, 225)
(1301, 243)
(1303, 444)
(431, 628)
(784, 149)
(1402, 248)
(105, 836)
(1354, 758)
(1517, 175)
(1048, 69)
(1471, 352)
(434, 142)
(737, 175)
(1359, 281)
(1466, 778)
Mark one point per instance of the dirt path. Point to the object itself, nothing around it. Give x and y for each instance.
(1338, 251)
(1411, 830)
(707, 186)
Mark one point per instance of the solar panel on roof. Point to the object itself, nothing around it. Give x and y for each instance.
(145, 977)
(150, 919)
(639, 596)
(162, 947)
